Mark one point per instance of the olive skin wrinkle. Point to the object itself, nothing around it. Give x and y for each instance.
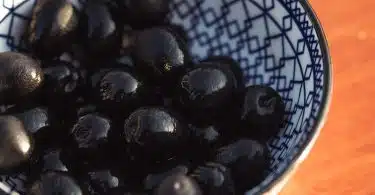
(247, 160)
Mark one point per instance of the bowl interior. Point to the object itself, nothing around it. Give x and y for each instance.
(277, 42)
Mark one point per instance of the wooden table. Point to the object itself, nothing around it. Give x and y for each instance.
(343, 159)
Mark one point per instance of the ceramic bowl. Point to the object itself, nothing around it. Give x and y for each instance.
(278, 43)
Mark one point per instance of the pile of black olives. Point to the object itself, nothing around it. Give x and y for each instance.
(108, 101)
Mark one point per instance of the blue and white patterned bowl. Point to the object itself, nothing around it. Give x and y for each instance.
(277, 42)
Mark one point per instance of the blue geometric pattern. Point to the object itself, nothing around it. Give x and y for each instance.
(275, 41)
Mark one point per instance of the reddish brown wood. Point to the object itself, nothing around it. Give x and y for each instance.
(343, 159)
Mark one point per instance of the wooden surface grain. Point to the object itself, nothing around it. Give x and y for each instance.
(343, 159)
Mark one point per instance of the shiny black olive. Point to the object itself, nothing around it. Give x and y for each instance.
(100, 182)
(120, 89)
(16, 145)
(228, 62)
(41, 123)
(159, 56)
(20, 76)
(262, 112)
(182, 40)
(205, 92)
(123, 63)
(143, 13)
(34, 119)
(52, 28)
(100, 34)
(178, 184)
(156, 131)
(52, 183)
(248, 161)
(214, 179)
(153, 180)
(90, 137)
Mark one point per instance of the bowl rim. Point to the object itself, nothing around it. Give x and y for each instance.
(323, 112)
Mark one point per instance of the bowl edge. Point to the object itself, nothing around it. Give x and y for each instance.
(277, 184)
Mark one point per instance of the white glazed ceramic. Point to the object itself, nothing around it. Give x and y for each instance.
(277, 42)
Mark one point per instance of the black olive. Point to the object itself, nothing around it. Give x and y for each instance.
(214, 179)
(153, 180)
(143, 13)
(52, 183)
(33, 119)
(16, 144)
(122, 63)
(179, 32)
(20, 75)
(262, 112)
(181, 37)
(159, 56)
(178, 184)
(248, 161)
(120, 89)
(90, 136)
(100, 33)
(205, 92)
(41, 123)
(228, 62)
(100, 182)
(52, 28)
(157, 131)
